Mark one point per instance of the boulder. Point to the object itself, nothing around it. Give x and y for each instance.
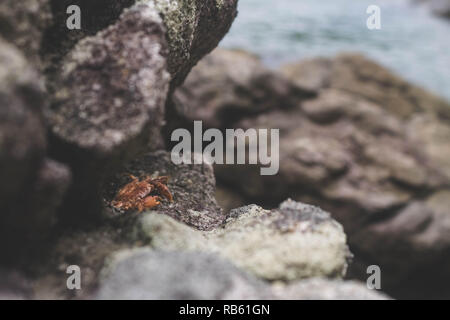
(294, 242)
(158, 275)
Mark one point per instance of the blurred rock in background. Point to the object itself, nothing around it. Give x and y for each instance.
(369, 147)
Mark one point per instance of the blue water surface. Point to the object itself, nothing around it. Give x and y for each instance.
(412, 41)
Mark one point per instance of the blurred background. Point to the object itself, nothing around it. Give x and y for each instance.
(364, 119)
(413, 41)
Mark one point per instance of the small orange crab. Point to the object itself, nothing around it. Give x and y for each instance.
(136, 194)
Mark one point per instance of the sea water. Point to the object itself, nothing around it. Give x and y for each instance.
(412, 41)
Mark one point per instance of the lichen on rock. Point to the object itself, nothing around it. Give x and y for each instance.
(293, 242)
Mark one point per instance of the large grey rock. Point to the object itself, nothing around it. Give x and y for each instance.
(194, 28)
(294, 242)
(148, 274)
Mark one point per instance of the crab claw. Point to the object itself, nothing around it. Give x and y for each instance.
(164, 191)
(151, 202)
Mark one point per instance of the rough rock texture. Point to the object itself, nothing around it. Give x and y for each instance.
(96, 15)
(293, 242)
(110, 91)
(370, 148)
(194, 28)
(148, 274)
(192, 186)
(110, 99)
(323, 289)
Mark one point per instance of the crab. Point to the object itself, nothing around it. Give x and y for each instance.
(136, 194)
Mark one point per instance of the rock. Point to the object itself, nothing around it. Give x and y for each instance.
(293, 242)
(110, 94)
(13, 285)
(101, 118)
(46, 196)
(194, 28)
(237, 86)
(22, 134)
(24, 171)
(324, 289)
(312, 73)
(24, 23)
(149, 274)
(95, 16)
(441, 7)
(370, 148)
(438, 7)
(361, 77)
(227, 199)
(158, 275)
(192, 186)
(88, 124)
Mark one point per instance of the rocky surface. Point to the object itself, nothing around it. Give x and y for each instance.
(110, 101)
(81, 110)
(225, 256)
(151, 274)
(13, 285)
(323, 289)
(92, 99)
(370, 148)
(148, 274)
(313, 245)
(192, 186)
(32, 185)
(24, 24)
